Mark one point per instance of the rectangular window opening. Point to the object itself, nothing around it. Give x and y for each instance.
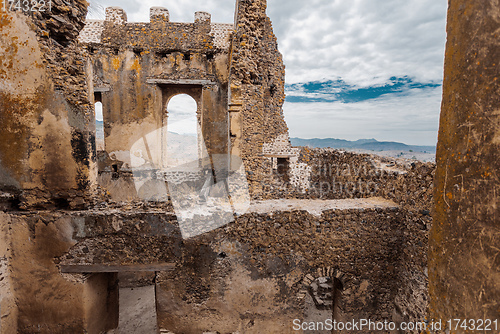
(283, 165)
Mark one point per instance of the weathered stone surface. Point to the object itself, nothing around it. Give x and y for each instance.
(45, 301)
(251, 273)
(257, 79)
(46, 148)
(258, 273)
(464, 256)
(8, 308)
(216, 64)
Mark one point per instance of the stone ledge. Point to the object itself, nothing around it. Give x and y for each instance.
(181, 82)
(316, 207)
(103, 268)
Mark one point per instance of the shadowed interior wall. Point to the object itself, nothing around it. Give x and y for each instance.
(46, 150)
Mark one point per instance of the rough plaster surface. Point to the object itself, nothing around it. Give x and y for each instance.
(44, 299)
(247, 276)
(41, 72)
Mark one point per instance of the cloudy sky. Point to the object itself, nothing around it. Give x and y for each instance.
(354, 69)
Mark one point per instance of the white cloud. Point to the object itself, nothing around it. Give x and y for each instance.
(364, 42)
(411, 118)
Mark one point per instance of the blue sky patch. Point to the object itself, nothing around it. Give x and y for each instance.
(338, 90)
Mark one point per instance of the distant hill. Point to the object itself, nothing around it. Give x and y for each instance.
(392, 148)
(361, 144)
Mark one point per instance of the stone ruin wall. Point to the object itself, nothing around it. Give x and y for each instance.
(464, 265)
(221, 32)
(138, 67)
(243, 56)
(272, 257)
(257, 80)
(44, 87)
(378, 255)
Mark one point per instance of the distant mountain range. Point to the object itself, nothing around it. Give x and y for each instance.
(361, 144)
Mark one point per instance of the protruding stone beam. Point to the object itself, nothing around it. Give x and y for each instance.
(103, 268)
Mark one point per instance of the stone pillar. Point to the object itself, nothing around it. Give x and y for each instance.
(464, 258)
(256, 81)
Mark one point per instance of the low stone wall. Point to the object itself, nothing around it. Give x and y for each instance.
(340, 174)
(336, 174)
(255, 273)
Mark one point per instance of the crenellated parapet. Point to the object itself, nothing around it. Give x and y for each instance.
(159, 33)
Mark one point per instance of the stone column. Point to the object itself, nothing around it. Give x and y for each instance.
(464, 258)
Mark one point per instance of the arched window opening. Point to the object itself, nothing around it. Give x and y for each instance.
(183, 131)
(99, 125)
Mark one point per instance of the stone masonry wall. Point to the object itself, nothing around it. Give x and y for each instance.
(138, 67)
(253, 274)
(257, 89)
(334, 174)
(43, 88)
